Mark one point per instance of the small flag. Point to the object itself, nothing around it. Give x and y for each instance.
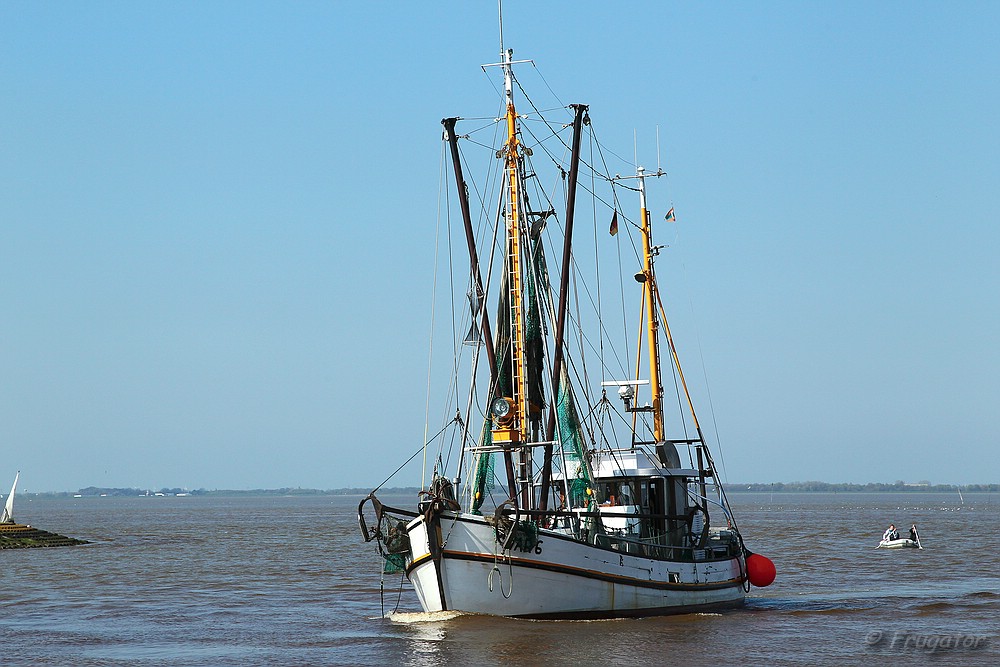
(614, 223)
(670, 215)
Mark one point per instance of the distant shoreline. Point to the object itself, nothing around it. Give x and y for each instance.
(733, 488)
(871, 487)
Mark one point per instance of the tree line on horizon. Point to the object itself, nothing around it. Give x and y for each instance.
(756, 487)
(122, 492)
(871, 487)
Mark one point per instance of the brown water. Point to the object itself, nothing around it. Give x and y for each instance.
(287, 581)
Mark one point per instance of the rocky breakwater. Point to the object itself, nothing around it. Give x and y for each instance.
(21, 536)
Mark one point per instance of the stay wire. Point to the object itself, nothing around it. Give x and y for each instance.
(434, 276)
(420, 449)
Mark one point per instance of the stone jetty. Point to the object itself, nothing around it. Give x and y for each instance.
(21, 536)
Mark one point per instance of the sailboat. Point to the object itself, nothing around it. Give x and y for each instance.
(8, 509)
(578, 504)
(15, 535)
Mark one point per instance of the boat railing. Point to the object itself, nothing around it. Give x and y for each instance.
(497, 448)
(637, 448)
(657, 548)
(712, 501)
(633, 539)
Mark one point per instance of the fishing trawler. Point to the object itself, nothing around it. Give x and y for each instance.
(572, 497)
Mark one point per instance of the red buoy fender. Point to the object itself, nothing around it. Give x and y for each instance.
(760, 570)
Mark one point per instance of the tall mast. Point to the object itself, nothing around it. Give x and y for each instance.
(580, 111)
(511, 427)
(652, 323)
(514, 270)
(470, 238)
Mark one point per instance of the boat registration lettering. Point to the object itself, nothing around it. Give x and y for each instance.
(527, 548)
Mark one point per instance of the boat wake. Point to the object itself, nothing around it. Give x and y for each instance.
(408, 617)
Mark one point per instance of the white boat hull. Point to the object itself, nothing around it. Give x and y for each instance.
(898, 544)
(558, 578)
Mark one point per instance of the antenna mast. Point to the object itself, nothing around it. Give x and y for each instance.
(500, 12)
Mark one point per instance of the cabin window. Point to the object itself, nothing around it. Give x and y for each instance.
(626, 495)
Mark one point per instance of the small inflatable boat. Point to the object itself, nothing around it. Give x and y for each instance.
(899, 544)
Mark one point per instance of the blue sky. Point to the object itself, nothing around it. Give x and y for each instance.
(217, 221)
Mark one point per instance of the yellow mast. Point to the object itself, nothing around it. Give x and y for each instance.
(511, 421)
(510, 413)
(652, 323)
(519, 372)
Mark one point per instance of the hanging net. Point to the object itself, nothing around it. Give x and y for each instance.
(394, 543)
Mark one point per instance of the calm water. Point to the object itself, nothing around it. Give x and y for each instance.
(286, 581)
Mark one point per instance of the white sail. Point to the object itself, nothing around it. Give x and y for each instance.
(8, 508)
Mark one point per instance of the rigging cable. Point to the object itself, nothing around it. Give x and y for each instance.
(483, 298)
(421, 448)
(542, 77)
(430, 345)
(704, 371)
(597, 257)
(495, 225)
(455, 343)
